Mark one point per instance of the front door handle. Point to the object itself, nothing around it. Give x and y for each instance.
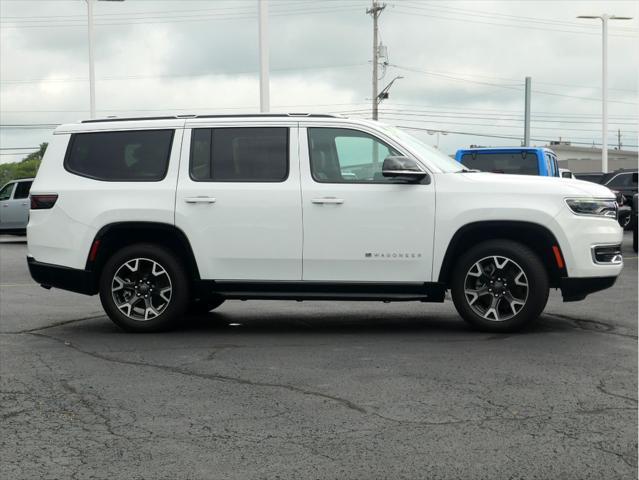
(330, 200)
(199, 200)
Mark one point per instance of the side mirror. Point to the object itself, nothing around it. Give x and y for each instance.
(403, 167)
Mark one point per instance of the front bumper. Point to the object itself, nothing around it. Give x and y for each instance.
(578, 235)
(65, 278)
(575, 289)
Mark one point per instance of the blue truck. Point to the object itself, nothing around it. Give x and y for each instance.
(513, 160)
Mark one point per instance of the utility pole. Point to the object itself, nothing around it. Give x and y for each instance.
(527, 113)
(604, 83)
(375, 11)
(619, 138)
(262, 6)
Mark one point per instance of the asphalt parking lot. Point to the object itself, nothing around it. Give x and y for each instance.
(315, 390)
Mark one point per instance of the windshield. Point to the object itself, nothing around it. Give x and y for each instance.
(426, 152)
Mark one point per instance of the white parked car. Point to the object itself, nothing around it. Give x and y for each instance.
(14, 206)
(163, 215)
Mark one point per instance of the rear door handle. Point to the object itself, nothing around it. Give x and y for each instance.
(199, 200)
(331, 200)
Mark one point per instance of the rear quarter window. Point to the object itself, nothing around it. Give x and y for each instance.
(121, 156)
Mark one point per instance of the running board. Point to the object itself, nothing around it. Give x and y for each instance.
(306, 290)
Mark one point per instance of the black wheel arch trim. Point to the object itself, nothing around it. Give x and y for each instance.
(507, 230)
(109, 239)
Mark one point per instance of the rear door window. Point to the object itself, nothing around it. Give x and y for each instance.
(22, 190)
(120, 156)
(503, 162)
(246, 154)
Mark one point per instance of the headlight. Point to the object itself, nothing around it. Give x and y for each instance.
(595, 207)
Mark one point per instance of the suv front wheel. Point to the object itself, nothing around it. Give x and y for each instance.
(499, 286)
(144, 288)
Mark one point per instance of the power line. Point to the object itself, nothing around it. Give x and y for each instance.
(179, 75)
(494, 125)
(491, 116)
(187, 18)
(497, 85)
(482, 13)
(412, 12)
(505, 136)
(500, 110)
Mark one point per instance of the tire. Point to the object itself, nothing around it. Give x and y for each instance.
(139, 270)
(625, 221)
(200, 306)
(512, 300)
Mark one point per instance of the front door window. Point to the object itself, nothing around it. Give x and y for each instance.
(341, 155)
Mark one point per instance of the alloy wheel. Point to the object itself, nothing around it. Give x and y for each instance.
(141, 289)
(496, 288)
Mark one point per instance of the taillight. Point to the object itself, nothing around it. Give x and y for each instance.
(41, 202)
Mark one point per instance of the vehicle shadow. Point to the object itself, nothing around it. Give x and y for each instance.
(263, 323)
(448, 326)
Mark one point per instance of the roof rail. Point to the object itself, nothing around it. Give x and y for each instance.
(189, 116)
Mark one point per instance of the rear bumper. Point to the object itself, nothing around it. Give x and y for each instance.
(575, 289)
(65, 278)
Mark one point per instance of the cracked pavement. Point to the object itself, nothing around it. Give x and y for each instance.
(317, 390)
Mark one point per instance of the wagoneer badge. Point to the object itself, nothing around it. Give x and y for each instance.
(392, 255)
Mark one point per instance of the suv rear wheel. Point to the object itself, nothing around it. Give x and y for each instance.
(144, 288)
(499, 286)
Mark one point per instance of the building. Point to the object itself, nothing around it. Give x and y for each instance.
(588, 159)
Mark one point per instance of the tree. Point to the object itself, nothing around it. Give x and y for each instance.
(27, 167)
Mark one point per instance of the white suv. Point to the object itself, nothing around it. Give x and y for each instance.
(165, 215)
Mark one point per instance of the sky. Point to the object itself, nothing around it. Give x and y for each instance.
(463, 65)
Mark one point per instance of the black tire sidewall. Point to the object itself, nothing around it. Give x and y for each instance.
(176, 309)
(533, 268)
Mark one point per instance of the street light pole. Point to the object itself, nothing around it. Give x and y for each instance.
(91, 64)
(604, 83)
(262, 6)
(604, 93)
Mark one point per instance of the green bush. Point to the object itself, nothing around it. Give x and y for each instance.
(27, 167)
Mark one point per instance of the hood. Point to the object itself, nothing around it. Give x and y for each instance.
(537, 184)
